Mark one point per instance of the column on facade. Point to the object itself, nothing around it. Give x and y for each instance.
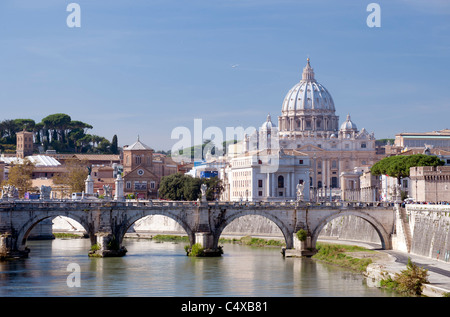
(340, 162)
(328, 173)
(273, 189)
(293, 186)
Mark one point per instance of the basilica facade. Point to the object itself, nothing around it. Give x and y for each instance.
(309, 130)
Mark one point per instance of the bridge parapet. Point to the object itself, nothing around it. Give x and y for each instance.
(21, 203)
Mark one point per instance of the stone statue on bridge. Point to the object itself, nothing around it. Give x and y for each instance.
(300, 188)
(396, 193)
(203, 188)
(107, 191)
(45, 192)
(9, 191)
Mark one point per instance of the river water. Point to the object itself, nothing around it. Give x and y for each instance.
(163, 269)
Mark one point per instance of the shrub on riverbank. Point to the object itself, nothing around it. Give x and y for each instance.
(256, 242)
(337, 254)
(195, 250)
(64, 235)
(409, 281)
(170, 238)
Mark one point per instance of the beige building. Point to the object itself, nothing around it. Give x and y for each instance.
(143, 169)
(430, 184)
(435, 139)
(266, 175)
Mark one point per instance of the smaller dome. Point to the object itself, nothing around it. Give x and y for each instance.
(348, 125)
(268, 125)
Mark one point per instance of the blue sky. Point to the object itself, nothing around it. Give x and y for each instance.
(145, 67)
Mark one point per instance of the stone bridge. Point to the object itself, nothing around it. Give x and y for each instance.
(106, 222)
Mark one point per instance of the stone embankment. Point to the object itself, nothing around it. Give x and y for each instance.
(385, 265)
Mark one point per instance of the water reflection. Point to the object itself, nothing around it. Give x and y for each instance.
(163, 269)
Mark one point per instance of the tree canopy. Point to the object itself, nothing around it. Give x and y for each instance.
(59, 132)
(74, 178)
(185, 187)
(20, 176)
(398, 166)
(179, 187)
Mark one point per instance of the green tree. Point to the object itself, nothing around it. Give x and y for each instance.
(214, 188)
(398, 166)
(9, 128)
(179, 187)
(114, 145)
(24, 124)
(37, 129)
(59, 123)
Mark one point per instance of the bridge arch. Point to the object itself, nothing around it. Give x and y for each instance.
(24, 231)
(174, 215)
(384, 236)
(233, 215)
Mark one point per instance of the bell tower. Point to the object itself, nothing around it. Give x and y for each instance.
(24, 144)
(137, 154)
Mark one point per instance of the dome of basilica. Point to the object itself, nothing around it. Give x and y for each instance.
(308, 94)
(348, 125)
(268, 125)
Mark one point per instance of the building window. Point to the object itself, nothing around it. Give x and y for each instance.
(260, 183)
(128, 185)
(152, 185)
(333, 164)
(260, 193)
(334, 182)
(280, 181)
(138, 159)
(300, 161)
(363, 145)
(140, 185)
